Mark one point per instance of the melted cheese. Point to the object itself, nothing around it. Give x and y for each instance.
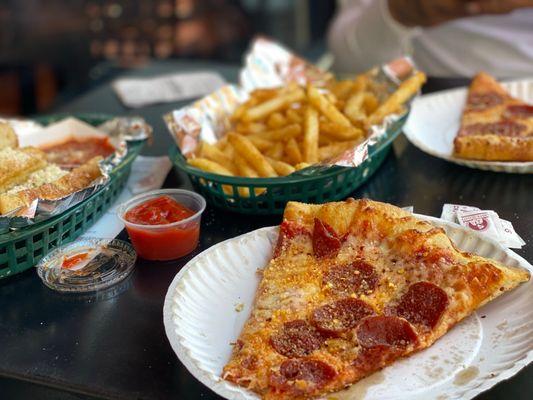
(46, 175)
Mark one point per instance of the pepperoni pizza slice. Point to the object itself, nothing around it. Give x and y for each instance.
(353, 286)
(494, 126)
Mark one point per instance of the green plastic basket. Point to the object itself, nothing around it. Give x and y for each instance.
(331, 184)
(22, 249)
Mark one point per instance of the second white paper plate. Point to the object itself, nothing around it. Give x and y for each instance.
(434, 123)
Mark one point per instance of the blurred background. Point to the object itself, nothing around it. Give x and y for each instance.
(52, 50)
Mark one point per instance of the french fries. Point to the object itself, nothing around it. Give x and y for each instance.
(244, 168)
(264, 109)
(310, 142)
(301, 165)
(406, 90)
(342, 89)
(276, 151)
(229, 151)
(260, 143)
(210, 152)
(282, 168)
(354, 107)
(339, 132)
(278, 131)
(334, 149)
(294, 155)
(213, 167)
(325, 106)
(276, 120)
(283, 134)
(209, 166)
(249, 128)
(249, 152)
(293, 116)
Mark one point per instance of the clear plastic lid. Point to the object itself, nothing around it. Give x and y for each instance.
(87, 265)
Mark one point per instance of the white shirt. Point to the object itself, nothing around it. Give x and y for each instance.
(364, 34)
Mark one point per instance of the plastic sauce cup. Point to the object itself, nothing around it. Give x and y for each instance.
(168, 241)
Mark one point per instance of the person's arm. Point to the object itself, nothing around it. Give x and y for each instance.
(370, 32)
(429, 13)
(365, 34)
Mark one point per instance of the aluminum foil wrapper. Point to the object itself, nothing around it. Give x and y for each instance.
(128, 129)
(121, 131)
(268, 64)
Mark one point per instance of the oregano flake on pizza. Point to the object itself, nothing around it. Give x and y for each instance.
(495, 126)
(352, 287)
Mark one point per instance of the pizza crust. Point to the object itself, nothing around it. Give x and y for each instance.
(493, 148)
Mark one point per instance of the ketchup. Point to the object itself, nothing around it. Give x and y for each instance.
(153, 238)
(77, 151)
(70, 262)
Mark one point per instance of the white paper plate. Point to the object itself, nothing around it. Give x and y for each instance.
(434, 122)
(491, 345)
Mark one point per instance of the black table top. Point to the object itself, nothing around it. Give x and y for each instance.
(112, 345)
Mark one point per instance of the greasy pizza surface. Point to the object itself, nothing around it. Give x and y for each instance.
(494, 126)
(352, 286)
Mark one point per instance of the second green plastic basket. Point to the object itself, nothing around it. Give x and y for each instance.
(22, 249)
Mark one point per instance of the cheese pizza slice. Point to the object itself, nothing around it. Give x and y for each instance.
(494, 125)
(353, 286)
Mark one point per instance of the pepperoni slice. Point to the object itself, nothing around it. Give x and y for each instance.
(311, 375)
(482, 101)
(341, 315)
(389, 331)
(287, 231)
(423, 304)
(372, 358)
(356, 277)
(502, 128)
(326, 242)
(296, 339)
(519, 111)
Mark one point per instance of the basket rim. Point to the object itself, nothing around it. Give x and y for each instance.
(178, 160)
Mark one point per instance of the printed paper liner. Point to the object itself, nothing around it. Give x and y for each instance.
(268, 64)
(435, 119)
(491, 345)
